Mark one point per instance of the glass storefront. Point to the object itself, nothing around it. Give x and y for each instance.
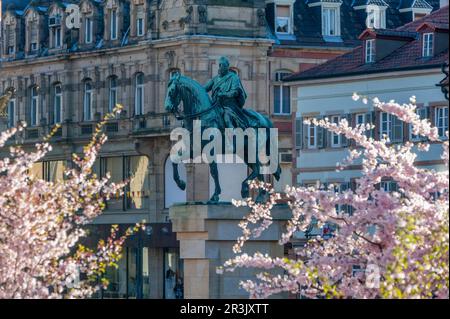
(173, 274)
(133, 168)
(150, 266)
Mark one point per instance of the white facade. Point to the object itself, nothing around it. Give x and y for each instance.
(333, 97)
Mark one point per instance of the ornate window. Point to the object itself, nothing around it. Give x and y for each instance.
(56, 26)
(10, 34)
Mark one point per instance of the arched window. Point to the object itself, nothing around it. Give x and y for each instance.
(34, 105)
(281, 94)
(139, 94)
(112, 93)
(87, 100)
(57, 103)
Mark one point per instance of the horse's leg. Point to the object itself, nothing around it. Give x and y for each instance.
(176, 177)
(215, 175)
(245, 189)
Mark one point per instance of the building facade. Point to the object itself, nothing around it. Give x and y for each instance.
(391, 65)
(71, 69)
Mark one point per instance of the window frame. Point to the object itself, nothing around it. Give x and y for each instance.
(87, 95)
(427, 44)
(441, 119)
(288, 18)
(114, 25)
(139, 91)
(112, 96)
(34, 106)
(336, 119)
(363, 115)
(88, 30)
(327, 18)
(379, 17)
(57, 96)
(57, 37)
(278, 83)
(140, 32)
(312, 128)
(11, 113)
(370, 51)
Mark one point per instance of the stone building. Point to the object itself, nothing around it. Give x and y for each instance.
(72, 71)
(391, 65)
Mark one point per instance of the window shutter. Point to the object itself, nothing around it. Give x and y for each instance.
(298, 132)
(321, 137)
(376, 122)
(369, 120)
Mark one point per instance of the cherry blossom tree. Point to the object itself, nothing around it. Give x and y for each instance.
(42, 223)
(399, 241)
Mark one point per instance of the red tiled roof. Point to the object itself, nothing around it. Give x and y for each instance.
(408, 56)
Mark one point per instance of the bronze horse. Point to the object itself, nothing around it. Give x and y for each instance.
(197, 105)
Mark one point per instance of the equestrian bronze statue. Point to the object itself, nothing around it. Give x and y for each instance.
(222, 110)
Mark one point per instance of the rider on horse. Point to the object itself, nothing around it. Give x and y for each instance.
(229, 93)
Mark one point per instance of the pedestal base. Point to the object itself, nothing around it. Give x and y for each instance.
(207, 234)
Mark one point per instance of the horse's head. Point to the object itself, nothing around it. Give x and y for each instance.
(173, 96)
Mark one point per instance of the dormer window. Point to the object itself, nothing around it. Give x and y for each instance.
(114, 26)
(57, 37)
(55, 25)
(88, 30)
(370, 51)
(376, 17)
(283, 19)
(427, 46)
(140, 26)
(331, 20)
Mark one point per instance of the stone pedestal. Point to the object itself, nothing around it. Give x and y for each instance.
(207, 234)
